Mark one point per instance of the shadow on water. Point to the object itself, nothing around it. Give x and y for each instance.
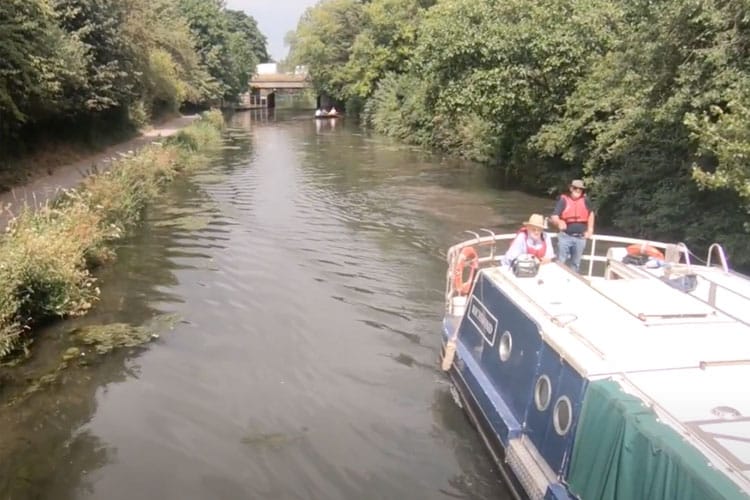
(296, 288)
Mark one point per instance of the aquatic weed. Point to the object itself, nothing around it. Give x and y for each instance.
(105, 338)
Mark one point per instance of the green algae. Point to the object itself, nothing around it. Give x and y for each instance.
(105, 338)
(32, 386)
(89, 343)
(71, 353)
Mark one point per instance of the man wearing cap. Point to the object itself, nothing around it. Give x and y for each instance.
(531, 239)
(574, 218)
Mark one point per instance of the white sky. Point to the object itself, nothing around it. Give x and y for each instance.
(275, 18)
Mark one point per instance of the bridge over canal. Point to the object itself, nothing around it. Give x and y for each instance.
(265, 87)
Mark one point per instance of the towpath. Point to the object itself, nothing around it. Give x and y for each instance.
(44, 187)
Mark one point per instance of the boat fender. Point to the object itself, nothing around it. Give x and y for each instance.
(468, 254)
(644, 249)
(450, 353)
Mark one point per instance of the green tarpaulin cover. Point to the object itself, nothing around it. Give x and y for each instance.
(623, 452)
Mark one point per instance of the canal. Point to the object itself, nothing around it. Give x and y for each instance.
(294, 290)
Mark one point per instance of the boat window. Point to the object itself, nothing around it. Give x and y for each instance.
(506, 345)
(542, 393)
(563, 415)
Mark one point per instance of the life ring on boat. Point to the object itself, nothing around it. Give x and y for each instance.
(644, 249)
(468, 254)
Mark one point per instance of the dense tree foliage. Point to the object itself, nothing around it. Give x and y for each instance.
(75, 67)
(229, 56)
(108, 58)
(385, 44)
(500, 70)
(658, 124)
(37, 61)
(649, 100)
(323, 42)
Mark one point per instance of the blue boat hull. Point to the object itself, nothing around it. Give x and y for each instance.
(488, 435)
(493, 443)
(499, 394)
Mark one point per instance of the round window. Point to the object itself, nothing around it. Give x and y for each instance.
(506, 345)
(542, 392)
(563, 415)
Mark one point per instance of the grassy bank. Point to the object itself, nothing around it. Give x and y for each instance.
(46, 255)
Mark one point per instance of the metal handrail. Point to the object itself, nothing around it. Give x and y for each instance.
(590, 257)
(722, 256)
(685, 252)
(596, 254)
(494, 247)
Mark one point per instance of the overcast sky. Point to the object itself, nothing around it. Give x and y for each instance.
(275, 18)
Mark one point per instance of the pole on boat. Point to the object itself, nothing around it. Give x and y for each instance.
(450, 345)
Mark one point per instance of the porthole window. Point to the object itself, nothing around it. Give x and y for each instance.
(506, 346)
(563, 415)
(542, 393)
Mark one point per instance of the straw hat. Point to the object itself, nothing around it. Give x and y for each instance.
(535, 220)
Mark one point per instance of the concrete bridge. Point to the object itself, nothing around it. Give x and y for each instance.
(265, 87)
(280, 81)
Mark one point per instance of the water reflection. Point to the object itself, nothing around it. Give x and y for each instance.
(326, 125)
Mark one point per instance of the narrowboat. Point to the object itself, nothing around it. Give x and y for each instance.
(626, 381)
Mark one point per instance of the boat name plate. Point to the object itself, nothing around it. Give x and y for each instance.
(483, 320)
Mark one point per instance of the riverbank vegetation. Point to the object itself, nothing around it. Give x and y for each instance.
(47, 255)
(649, 101)
(93, 71)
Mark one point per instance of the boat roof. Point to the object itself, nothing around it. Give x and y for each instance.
(684, 358)
(626, 325)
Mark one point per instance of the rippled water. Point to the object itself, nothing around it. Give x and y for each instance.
(296, 286)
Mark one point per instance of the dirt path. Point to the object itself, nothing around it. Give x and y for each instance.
(44, 187)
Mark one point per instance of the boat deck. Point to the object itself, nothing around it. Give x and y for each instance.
(724, 290)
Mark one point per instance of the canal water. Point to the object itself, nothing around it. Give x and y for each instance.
(294, 290)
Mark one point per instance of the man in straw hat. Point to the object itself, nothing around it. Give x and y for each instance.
(574, 218)
(531, 239)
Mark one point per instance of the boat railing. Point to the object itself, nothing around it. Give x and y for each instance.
(600, 244)
(722, 256)
(487, 256)
(490, 253)
(597, 262)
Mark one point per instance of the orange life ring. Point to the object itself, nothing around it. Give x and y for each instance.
(644, 249)
(468, 254)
